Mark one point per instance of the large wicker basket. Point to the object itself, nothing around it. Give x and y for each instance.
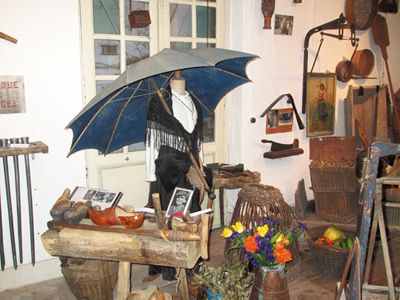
(328, 261)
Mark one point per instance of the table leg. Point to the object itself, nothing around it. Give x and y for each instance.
(123, 288)
(105, 280)
(183, 284)
(221, 207)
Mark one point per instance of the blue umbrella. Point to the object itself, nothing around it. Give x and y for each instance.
(116, 116)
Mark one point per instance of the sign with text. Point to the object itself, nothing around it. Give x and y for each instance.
(12, 94)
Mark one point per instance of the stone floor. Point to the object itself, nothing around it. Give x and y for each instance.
(308, 285)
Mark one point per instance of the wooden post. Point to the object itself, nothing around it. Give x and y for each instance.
(123, 288)
(183, 284)
(158, 212)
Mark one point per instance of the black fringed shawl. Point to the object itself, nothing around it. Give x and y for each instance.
(169, 130)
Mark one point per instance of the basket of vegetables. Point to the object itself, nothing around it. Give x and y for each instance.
(330, 248)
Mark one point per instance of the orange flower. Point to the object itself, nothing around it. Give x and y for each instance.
(282, 255)
(279, 245)
(251, 244)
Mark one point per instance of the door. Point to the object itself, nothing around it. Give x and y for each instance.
(109, 44)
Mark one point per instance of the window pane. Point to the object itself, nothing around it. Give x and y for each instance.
(106, 16)
(180, 45)
(136, 147)
(135, 5)
(102, 84)
(180, 20)
(208, 129)
(107, 60)
(204, 45)
(136, 51)
(203, 19)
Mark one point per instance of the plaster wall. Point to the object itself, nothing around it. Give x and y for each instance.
(47, 54)
(279, 71)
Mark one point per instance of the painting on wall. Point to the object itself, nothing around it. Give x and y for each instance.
(279, 120)
(321, 99)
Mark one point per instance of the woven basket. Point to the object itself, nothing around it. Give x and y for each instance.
(328, 261)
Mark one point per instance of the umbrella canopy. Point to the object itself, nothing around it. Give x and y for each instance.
(116, 116)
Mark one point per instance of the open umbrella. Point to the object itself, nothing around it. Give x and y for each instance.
(116, 116)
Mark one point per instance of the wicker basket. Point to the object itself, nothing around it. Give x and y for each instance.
(328, 261)
(333, 148)
(337, 207)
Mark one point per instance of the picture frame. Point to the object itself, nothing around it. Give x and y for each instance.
(321, 104)
(279, 120)
(180, 201)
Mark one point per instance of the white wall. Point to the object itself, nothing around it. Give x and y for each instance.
(279, 71)
(47, 55)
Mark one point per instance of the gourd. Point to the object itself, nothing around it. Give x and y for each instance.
(333, 233)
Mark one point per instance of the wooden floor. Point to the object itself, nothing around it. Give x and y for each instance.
(308, 285)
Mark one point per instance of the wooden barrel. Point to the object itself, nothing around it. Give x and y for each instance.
(363, 61)
(344, 70)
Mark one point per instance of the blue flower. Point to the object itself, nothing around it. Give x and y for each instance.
(229, 239)
(262, 245)
(248, 230)
(255, 262)
(302, 225)
(260, 224)
(249, 255)
(258, 251)
(268, 220)
(240, 244)
(235, 234)
(293, 230)
(259, 238)
(269, 235)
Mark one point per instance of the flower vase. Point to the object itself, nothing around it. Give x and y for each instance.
(270, 283)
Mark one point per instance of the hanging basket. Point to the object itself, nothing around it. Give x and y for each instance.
(139, 18)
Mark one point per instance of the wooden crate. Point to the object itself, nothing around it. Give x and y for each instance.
(337, 207)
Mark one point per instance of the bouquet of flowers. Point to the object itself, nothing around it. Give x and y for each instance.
(268, 246)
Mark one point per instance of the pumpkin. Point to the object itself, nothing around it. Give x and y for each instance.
(333, 233)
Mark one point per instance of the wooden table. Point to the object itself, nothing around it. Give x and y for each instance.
(127, 248)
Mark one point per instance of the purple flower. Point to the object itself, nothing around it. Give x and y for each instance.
(229, 239)
(260, 224)
(248, 230)
(270, 257)
(243, 250)
(235, 234)
(255, 262)
(262, 245)
(276, 222)
(258, 251)
(293, 230)
(249, 255)
(269, 246)
(240, 244)
(269, 235)
(268, 220)
(259, 238)
(302, 225)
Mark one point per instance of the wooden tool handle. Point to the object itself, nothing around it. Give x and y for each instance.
(158, 212)
(8, 38)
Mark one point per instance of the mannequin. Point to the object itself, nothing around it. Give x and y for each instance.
(167, 162)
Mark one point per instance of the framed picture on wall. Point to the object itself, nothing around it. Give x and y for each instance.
(321, 104)
(279, 120)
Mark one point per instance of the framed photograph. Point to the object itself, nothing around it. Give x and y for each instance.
(279, 120)
(321, 104)
(103, 198)
(283, 25)
(180, 201)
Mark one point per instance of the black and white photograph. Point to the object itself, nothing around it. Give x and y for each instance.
(180, 201)
(279, 120)
(103, 198)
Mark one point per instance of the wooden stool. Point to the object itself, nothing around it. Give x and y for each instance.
(255, 203)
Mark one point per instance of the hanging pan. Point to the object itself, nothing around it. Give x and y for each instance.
(361, 13)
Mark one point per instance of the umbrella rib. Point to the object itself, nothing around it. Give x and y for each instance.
(86, 127)
(119, 117)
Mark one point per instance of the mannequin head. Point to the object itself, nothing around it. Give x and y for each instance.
(177, 83)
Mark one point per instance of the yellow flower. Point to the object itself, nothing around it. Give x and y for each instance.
(227, 232)
(239, 227)
(282, 239)
(262, 230)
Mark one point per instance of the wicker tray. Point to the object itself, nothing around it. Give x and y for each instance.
(327, 261)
